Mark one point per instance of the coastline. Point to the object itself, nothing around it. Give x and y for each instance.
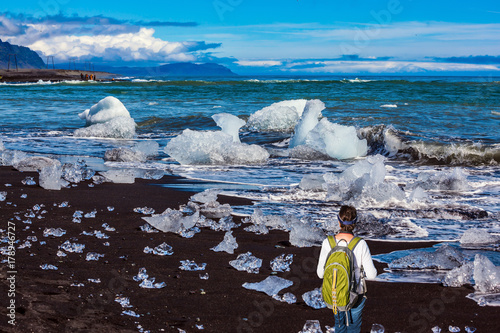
(51, 301)
(53, 75)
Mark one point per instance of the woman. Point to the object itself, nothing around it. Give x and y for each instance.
(362, 258)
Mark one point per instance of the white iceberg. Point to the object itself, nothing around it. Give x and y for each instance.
(213, 147)
(118, 128)
(106, 109)
(229, 124)
(308, 121)
(280, 116)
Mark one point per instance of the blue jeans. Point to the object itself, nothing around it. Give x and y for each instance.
(354, 319)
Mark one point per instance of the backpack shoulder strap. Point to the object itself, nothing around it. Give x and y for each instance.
(332, 241)
(353, 243)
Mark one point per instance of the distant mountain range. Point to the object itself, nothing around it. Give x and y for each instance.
(175, 69)
(25, 57)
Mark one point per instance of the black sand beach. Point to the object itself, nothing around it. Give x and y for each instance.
(53, 75)
(52, 301)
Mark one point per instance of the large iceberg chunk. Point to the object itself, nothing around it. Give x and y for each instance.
(280, 116)
(270, 286)
(304, 235)
(50, 177)
(337, 141)
(486, 275)
(106, 109)
(308, 121)
(445, 257)
(193, 147)
(35, 163)
(447, 180)
(172, 221)
(229, 124)
(118, 128)
(477, 237)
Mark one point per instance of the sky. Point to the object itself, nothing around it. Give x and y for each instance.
(289, 37)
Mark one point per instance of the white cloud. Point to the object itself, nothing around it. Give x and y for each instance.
(131, 46)
(259, 63)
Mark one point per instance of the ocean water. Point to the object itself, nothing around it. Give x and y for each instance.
(441, 134)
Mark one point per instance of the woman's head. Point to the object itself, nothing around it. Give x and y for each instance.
(347, 218)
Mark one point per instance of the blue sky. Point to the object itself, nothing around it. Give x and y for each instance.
(273, 36)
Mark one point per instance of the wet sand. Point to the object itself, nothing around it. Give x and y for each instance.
(53, 75)
(52, 301)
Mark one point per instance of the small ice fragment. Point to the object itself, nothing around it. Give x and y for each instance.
(287, 298)
(142, 275)
(28, 181)
(107, 227)
(111, 208)
(377, 328)
(247, 262)
(53, 232)
(32, 238)
(77, 285)
(454, 329)
(99, 234)
(46, 266)
(63, 204)
(78, 214)
(72, 247)
(23, 196)
(270, 286)
(180, 330)
(130, 313)
(61, 253)
(329, 329)
(144, 210)
(25, 245)
(206, 196)
(106, 244)
(228, 245)
(188, 265)
(161, 250)
(282, 263)
(314, 299)
(312, 326)
(3, 196)
(470, 329)
(94, 280)
(200, 327)
(148, 228)
(91, 215)
(123, 301)
(436, 329)
(36, 207)
(204, 276)
(93, 256)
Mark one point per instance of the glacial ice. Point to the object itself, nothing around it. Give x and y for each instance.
(225, 223)
(312, 182)
(72, 247)
(282, 263)
(445, 257)
(486, 275)
(28, 181)
(460, 276)
(144, 210)
(362, 181)
(105, 110)
(228, 245)
(262, 222)
(476, 236)
(214, 210)
(11, 157)
(123, 301)
(56, 232)
(117, 128)
(50, 178)
(206, 196)
(314, 299)
(161, 250)
(189, 265)
(149, 148)
(335, 140)
(453, 329)
(247, 262)
(48, 267)
(308, 120)
(120, 176)
(312, 326)
(270, 286)
(280, 116)
(93, 256)
(123, 154)
(286, 298)
(35, 163)
(229, 124)
(303, 235)
(146, 281)
(76, 172)
(451, 180)
(213, 147)
(3, 196)
(172, 220)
